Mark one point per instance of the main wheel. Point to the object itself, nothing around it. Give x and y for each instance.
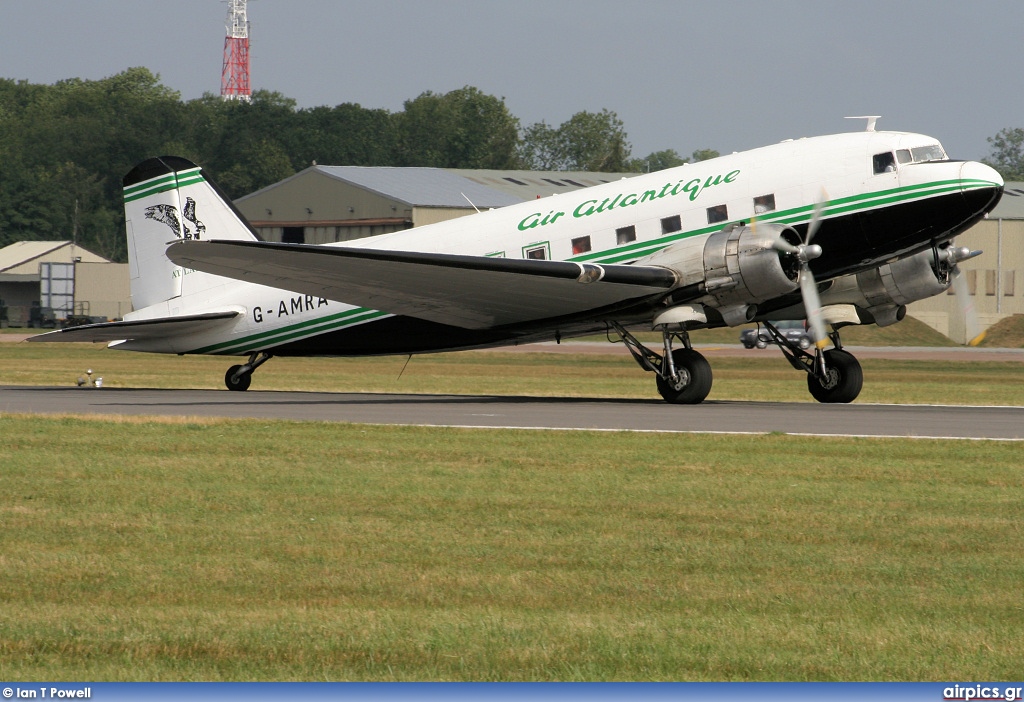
(844, 380)
(242, 383)
(694, 383)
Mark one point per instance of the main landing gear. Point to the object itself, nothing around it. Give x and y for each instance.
(833, 376)
(683, 375)
(239, 377)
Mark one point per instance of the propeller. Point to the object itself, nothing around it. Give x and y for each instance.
(804, 254)
(954, 255)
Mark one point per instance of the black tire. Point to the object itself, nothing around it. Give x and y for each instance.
(241, 384)
(845, 378)
(696, 371)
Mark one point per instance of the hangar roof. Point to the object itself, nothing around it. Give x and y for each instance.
(420, 187)
(528, 185)
(450, 187)
(23, 252)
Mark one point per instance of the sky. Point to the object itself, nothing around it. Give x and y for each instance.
(720, 74)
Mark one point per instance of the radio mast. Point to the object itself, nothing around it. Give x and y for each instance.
(234, 77)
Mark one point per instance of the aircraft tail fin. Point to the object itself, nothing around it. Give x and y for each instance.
(167, 199)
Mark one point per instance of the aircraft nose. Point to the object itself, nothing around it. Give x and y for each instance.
(977, 175)
(981, 186)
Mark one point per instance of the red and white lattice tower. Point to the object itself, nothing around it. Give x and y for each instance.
(234, 77)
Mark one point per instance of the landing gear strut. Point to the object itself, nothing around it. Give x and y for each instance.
(683, 375)
(239, 377)
(833, 376)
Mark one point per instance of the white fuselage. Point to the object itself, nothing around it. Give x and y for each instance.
(628, 219)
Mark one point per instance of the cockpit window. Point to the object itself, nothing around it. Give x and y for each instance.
(903, 156)
(933, 152)
(884, 163)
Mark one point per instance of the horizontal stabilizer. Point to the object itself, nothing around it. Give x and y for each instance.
(473, 292)
(139, 329)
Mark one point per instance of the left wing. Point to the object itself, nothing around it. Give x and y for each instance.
(473, 292)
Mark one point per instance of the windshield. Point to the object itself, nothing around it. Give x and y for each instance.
(932, 152)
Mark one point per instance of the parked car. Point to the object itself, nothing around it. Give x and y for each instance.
(794, 330)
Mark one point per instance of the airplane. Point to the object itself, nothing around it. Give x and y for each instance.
(840, 229)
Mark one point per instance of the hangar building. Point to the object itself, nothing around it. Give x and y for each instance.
(995, 280)
(323, 204)
(61, 276)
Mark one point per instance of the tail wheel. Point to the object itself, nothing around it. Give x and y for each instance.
(693, 379)
(843, 382)
(240, 382)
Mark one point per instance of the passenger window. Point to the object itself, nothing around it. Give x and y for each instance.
(718, 213)
(537, 253)
(903, 156)
(671, 224)
(884, 163)
(765, 203)
(581, 245)
(625, 235)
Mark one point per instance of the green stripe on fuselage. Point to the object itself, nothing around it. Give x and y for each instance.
(274, 337)
(797, 215)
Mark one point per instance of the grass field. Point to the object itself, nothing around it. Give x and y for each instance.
(186, 549)
(249, 550)
(759, 375)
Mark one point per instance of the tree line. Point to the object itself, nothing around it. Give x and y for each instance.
(64, 147)
(1007, 155)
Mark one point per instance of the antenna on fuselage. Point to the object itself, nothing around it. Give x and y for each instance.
(871, 121)
(470, 202)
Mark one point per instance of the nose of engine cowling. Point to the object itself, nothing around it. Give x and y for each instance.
(981, 184)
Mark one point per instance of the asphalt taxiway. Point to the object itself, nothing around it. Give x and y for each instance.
(798, 418)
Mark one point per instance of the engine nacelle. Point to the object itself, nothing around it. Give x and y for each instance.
(741, 265)
(737, 267)
(901, 282)
(884, 292)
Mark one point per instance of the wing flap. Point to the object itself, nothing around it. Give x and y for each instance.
(473, 292)
(139, 329)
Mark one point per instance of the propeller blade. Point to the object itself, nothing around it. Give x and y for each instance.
(819, 207)
(975, 335)
(812, 306)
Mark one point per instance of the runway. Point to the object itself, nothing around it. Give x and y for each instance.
(798, 418)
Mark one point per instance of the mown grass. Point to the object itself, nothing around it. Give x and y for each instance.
(761, 376)
(1007, 333)
(247, 550)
